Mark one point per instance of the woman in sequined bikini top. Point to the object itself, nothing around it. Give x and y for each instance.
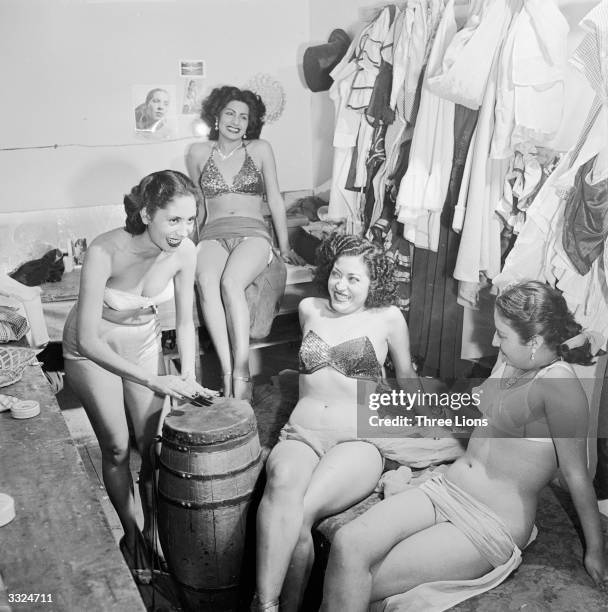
(235, 171)
(354, 358)
(248, 180)
(319, 465)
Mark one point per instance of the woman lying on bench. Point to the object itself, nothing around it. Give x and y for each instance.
(320, 467)
(458, 535)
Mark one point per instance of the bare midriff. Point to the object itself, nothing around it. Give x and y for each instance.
(328, 400)
(506, 474)
(235, 205)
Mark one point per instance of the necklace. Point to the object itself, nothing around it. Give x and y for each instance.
(510, 381)
(226, 156)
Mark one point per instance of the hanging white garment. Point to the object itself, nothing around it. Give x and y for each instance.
(368, 56)
(479, 249)
(408, 28)
(343, 202)
(354, 78)
(423, 189)
(530, 96)
(463, 74)
(538, 251)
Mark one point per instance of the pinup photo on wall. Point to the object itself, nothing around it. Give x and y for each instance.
(192, 97)
(154, 111)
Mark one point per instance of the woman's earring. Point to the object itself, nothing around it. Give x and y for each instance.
(244, 136)
(217, 123)
(532, 353)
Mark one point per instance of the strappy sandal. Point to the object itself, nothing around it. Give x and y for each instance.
(140, 575)
(249, 387)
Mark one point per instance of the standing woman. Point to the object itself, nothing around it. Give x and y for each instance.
(111, 339)
(235, 171)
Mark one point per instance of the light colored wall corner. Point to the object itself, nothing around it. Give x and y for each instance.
(71, 70)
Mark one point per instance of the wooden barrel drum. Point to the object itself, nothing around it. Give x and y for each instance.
(209, 463)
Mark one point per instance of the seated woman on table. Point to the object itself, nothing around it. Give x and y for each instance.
(320, 467)
(111, 339)
(460, 534)
(235, 171)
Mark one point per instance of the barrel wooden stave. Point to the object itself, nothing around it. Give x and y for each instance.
(206, 480)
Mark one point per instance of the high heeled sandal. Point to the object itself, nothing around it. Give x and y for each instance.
(140, 575)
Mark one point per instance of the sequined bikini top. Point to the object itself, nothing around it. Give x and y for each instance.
(248, 180)
(354, 358)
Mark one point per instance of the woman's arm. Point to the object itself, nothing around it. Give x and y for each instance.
(195, 159)
(183, 282)
(197, 152)
(275, 201)
(565, 407)
(398, 340)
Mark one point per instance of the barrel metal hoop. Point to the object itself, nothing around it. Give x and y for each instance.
(214, 447)
(233, 501)
(215, 476)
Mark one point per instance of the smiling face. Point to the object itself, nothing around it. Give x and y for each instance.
(348, 284)
(171, 224)
(234, 120)
(158, 105)
(515, 352)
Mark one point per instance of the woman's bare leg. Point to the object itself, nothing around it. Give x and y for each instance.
(280, 514)
(101, 394)
(211, 260)
(392, 548)
(144, 408)
(246, 262)
(345, 475)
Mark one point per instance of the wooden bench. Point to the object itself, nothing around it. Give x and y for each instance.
(59, 544)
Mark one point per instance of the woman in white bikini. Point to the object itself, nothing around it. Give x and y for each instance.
(460, 534)
(111, 339)
(236, 172)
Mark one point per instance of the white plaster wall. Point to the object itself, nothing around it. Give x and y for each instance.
(67, 68)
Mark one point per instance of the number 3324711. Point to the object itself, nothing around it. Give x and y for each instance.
(30, 598)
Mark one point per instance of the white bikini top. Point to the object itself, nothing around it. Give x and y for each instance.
(117, 299)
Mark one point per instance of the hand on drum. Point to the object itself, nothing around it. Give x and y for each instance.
(183, 388)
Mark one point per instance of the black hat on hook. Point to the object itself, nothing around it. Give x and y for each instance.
(320, 60)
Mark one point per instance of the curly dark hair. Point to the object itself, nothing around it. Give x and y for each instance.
(153, 192)
(382, 290)
(217, 100)
(533, 308)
